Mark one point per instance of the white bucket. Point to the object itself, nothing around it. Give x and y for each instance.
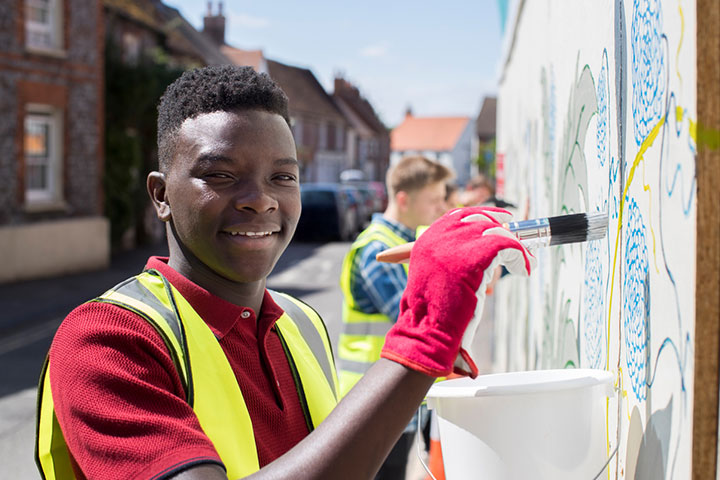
(541, 424)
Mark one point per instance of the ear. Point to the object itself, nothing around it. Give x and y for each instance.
(156, 186)
(401, 200)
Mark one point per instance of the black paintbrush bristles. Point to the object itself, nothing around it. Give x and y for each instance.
(577, 227)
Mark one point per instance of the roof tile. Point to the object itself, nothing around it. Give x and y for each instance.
(428, 133)
(305, 93)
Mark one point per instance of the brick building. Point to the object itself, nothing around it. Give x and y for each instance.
(318, 125)
(140, 26)
(368, 140)
(51, 136)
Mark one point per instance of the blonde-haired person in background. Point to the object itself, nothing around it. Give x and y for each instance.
(372, 290)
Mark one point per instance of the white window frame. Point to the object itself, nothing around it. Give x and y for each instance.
(51, 192)
(322, 135)
(340, 138)
(50, 30)
(131, 48)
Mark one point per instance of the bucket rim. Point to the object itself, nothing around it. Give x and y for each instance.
(523, 383)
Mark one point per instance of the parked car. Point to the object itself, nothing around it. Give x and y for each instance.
(365, 200)
(352, 175)
(379, 195)
(373, 193)
(329, 211)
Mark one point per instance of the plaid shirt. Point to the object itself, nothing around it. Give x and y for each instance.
(377, 287)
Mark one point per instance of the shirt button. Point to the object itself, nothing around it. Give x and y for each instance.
(245, 314)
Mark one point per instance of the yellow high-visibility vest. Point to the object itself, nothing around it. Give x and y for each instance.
(363, 334)
(207, 376)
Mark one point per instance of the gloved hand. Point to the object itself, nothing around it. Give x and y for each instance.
(450, 267)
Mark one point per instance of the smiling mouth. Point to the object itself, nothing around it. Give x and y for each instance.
(251, 234)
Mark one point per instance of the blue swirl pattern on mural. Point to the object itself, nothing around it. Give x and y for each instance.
(594, 306)
(613, 197)
(602, 117)
(648, 65)
(635, 298)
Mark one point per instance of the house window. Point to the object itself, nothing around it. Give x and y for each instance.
(43, 158)
(340, 138)
(296, 128)
(330, 139)
(131, 48)
(310, 134)
(42, 24)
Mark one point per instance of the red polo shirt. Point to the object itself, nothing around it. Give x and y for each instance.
(120, 401)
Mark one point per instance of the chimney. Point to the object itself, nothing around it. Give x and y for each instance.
(340, 85)
(408, 112)
(214, 25)
(346, 89)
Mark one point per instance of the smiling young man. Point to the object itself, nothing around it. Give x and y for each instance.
(192, 369)
(232, 196)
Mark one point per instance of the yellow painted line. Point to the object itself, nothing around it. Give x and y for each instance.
(647, 143)
(624, 393)
(646, 188)
(693, 130)
(680, 42)
(649, 140)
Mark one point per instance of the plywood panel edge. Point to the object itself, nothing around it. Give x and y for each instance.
(707, 293)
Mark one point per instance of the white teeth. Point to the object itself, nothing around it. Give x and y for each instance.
(251, 234)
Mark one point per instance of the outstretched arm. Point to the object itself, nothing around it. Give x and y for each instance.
(355, 438)
(353, 441)
(448, 267)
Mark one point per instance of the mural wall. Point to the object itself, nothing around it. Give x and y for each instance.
(596, 113)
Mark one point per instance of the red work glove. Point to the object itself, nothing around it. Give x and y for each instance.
(450, 267)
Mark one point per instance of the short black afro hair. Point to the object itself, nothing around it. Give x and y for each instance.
(212, 89)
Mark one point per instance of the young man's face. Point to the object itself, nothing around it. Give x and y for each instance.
(233, 192)
(425, 205)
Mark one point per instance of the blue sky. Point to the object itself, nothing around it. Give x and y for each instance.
(440, 58)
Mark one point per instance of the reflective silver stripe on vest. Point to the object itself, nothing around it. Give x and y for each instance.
(134, 289)
(307, 329)
(378, 329)
(352, 366)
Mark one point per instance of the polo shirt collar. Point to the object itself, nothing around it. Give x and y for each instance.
(219, 314)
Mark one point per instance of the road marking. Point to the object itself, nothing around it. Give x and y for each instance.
(31, 335)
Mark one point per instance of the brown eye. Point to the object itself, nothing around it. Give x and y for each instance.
(285, 177)
(218, 175)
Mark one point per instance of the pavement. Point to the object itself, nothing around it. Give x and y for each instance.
(30, 312)
(25, 304)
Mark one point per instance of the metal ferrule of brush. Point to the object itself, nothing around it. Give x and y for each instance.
(527, 230)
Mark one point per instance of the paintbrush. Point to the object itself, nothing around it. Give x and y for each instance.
(540, 232)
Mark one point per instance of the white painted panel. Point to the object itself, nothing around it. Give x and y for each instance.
(596, 112)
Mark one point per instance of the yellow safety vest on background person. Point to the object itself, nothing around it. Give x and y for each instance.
(363, 334)
(210, 384)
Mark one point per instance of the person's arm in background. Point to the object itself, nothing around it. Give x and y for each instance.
(450, 263)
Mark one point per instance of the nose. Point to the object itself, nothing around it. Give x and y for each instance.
(256, 197)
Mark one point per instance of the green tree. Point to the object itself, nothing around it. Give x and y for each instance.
(132, 92)
(485, 160)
